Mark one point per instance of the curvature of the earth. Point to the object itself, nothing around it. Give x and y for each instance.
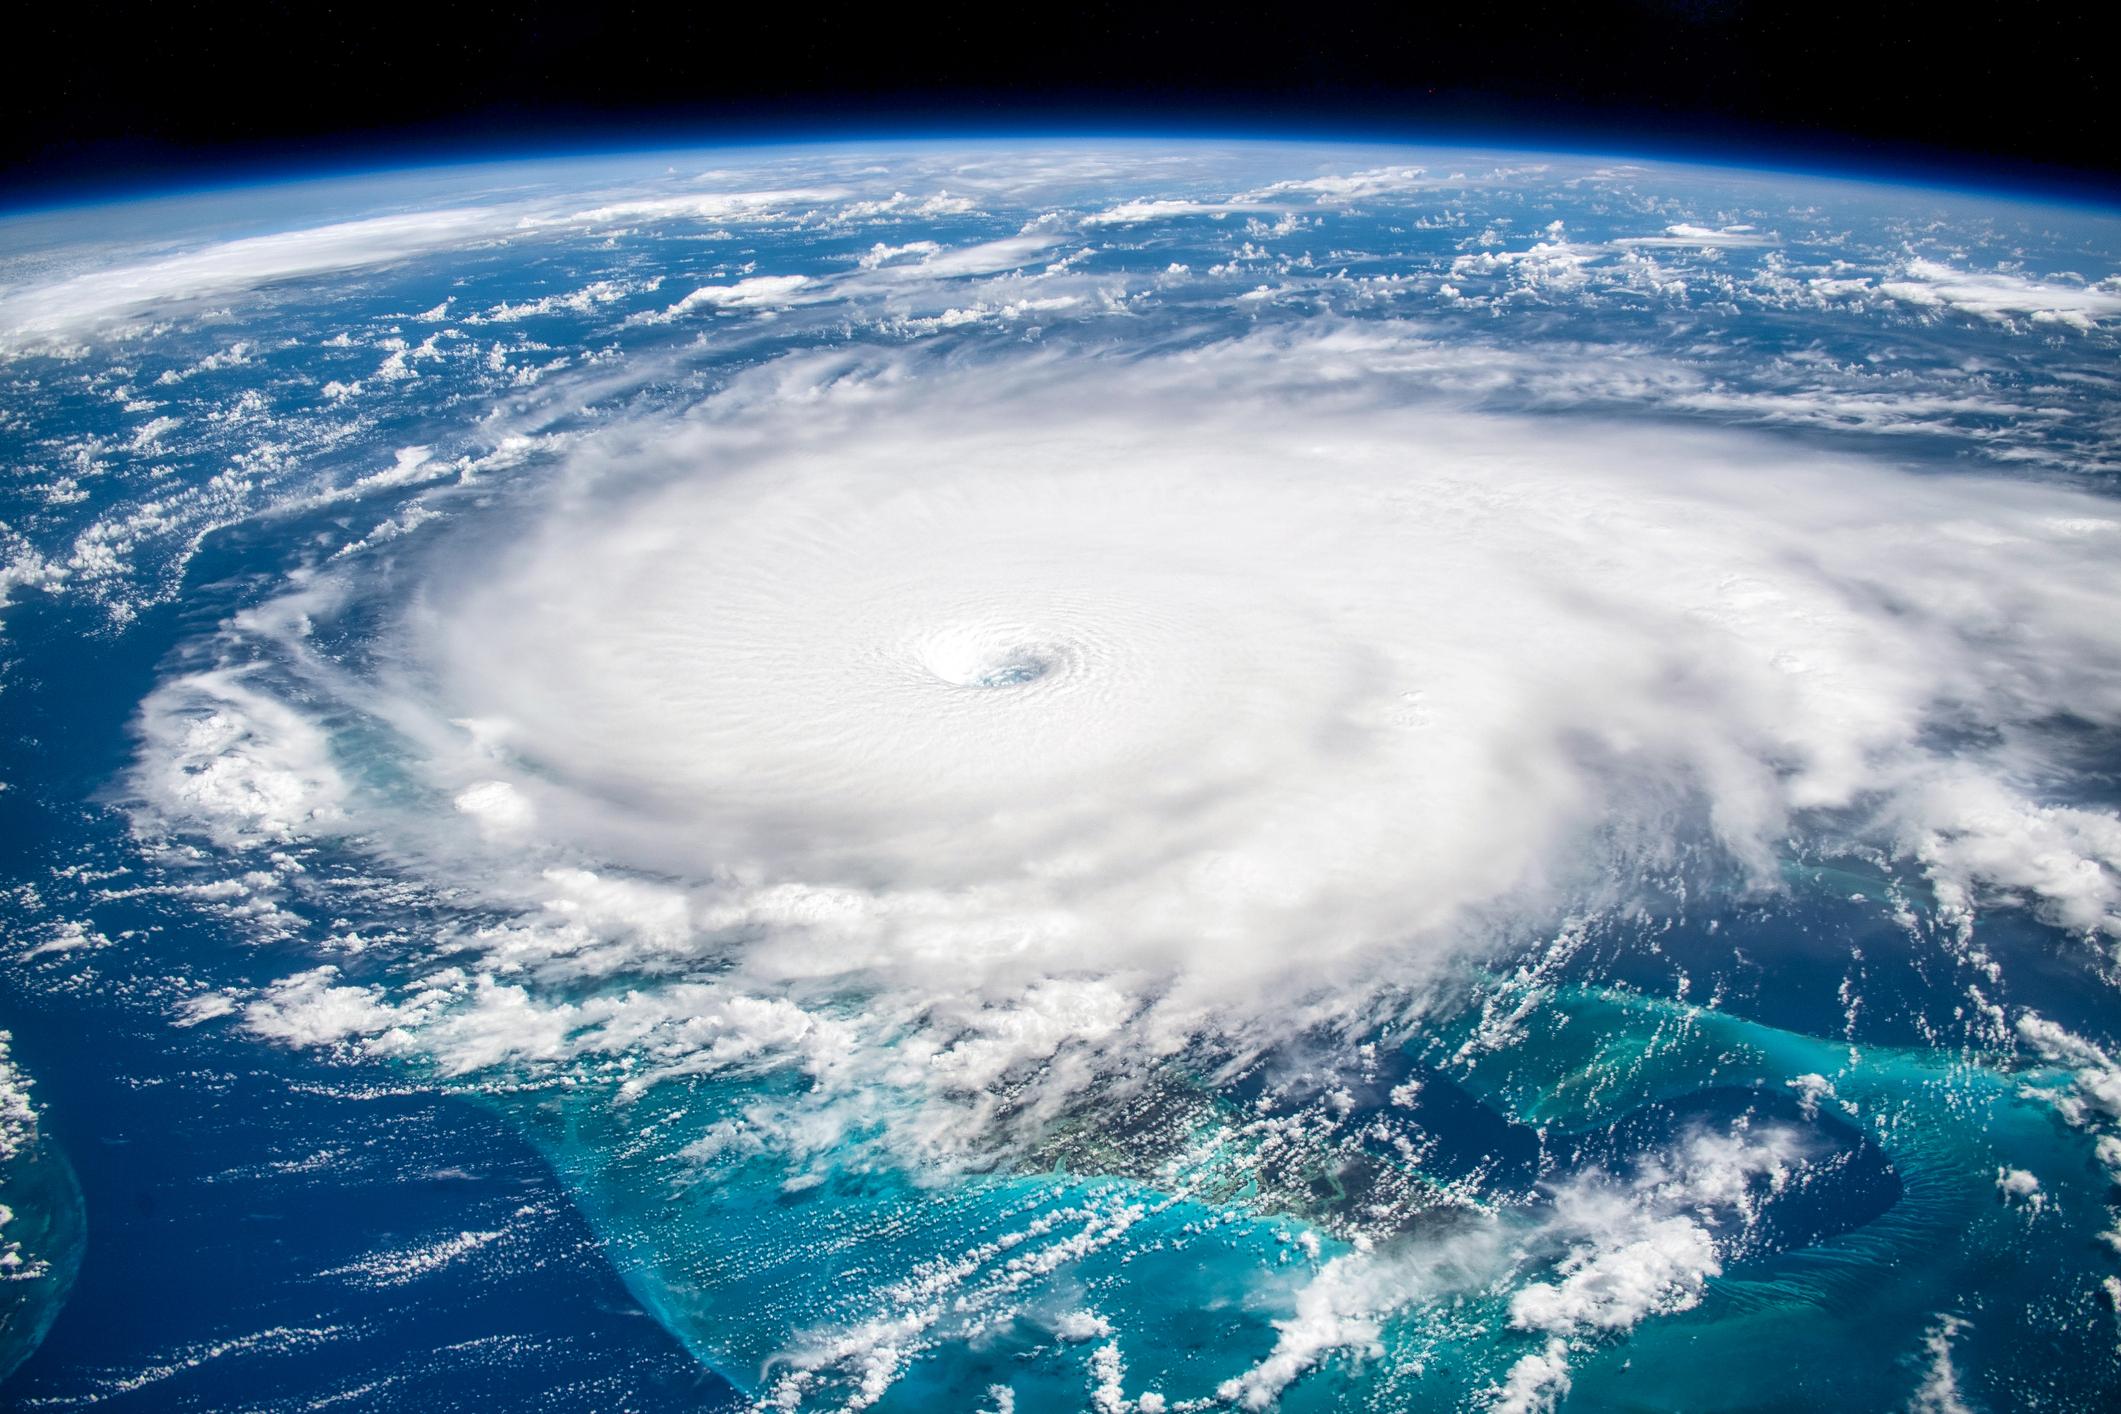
(1123, 776)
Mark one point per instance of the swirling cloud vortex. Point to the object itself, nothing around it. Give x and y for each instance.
(1187, 668)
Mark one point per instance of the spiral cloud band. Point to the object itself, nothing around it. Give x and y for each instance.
(988, 678)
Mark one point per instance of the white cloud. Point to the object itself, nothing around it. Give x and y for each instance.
(1338, 1310)
(1557, 264)
(59, 314)
(706, 207)
(882, 254)
(1134, 213)
(983, 313)
(582, 301)
(1939, 1392)
(1356, 186)
(403, 1266)
(314, 1009)
(48, 315)
(1979, 837)
(2004, 295)
(2097, 1076)
(2020, 1186)
(899, 204)
(230, 761)
(1604, 1255)
(754, 292)
(1647, 1247)
(1537, 1382)
(1082, 1325)
(1686, 235)
(18, 1118)
(990, 257)
(498, 807)
(18, 1134)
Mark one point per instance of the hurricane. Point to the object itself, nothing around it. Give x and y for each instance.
(1143, 778)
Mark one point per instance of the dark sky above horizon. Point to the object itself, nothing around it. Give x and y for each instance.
(104, 93)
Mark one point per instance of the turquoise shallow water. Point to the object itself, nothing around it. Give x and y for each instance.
(1832, 1290)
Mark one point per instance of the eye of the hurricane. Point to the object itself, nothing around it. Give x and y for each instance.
(991, 659)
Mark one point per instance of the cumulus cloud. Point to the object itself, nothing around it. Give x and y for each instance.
(18, 1117)
(2096, 1092)
(1335, 188)
(884, 254)
(1549, 265)
(754, 292)
(232, 762)
(2005, 295)
(901, 205)
(582, 301)
(1686, 235)
(1604, 1254)
(1135, 213)
(1940, 1392)
(1978, 836)
(18, 1135)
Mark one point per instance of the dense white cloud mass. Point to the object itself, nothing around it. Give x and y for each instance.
(968, 674)
(1134, 213)
(1115, 698)
(45, 316)
(760, 291)
(245, 765)
(2006, 294)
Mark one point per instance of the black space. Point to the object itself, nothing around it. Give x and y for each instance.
(102, 93)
